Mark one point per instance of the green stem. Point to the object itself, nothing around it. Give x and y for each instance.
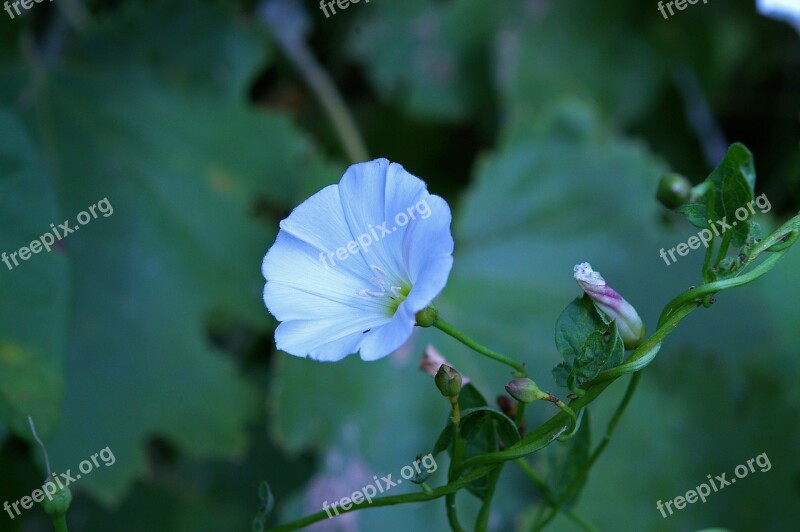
(391, 501)
(447, 328)
(302, 57)
(482, 521)
(788, 231)
(723, 248)
(585, 525)
(706, 273)
(571, 413)
(559, 423)
(519, 419)
(579, 481)
(537, 481)
(696, 295)
(456, 455)
(60, 522)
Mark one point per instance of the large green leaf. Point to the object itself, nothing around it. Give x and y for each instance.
(34, 291)
(182, 174)
(188, 170)
(191, 45)
(577, 50)
(434, 59)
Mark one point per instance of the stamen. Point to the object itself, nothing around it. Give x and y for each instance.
(363, 292)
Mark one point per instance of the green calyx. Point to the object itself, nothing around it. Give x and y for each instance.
(427, 316)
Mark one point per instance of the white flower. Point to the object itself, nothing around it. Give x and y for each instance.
(354, 263)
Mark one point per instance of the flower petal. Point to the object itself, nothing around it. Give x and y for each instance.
(295, 275)
(388, 338)
(324, 340)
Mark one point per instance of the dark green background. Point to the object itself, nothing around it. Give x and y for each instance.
(545, 124)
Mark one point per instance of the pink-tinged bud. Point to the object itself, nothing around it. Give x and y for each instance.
(613, 305)
(525, 390)
(432, 360)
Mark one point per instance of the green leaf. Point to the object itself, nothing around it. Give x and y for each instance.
(33, 316)
(470, 397)
(587, 344)
(222, 58)
(575, 325)
(474, 417)
(184, 173)
(431, 58)
(695, 213)
(564, 51)
(567, 461)
(444, 440)
(731, 188)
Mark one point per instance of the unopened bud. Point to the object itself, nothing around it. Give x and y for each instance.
(525, 390)
(673, 190)
(57, 501)
(432, 360)
(613, 305)
(448, 380)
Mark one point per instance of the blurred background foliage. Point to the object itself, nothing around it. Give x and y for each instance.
(545, 124)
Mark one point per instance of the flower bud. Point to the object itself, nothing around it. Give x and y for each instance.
(525, 390)
(57, 503)
(613, 305)
(432, 360)
(448, 380)
(673, 190)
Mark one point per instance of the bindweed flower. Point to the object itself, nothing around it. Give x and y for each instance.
(353, 264)
(613, 305)
(432, 360)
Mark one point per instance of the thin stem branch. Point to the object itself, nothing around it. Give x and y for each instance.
(60, 523)
(288, 32)
(585, 525)
(519, 419)
(457, 451)
(422, 496)
(447, 328)
(482, 521)
(537, 481)
(579, 481)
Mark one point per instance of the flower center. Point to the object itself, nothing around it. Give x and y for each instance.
(393, 293)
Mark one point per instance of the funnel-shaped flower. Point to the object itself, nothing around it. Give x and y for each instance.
(613, 305)
(353, 264)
